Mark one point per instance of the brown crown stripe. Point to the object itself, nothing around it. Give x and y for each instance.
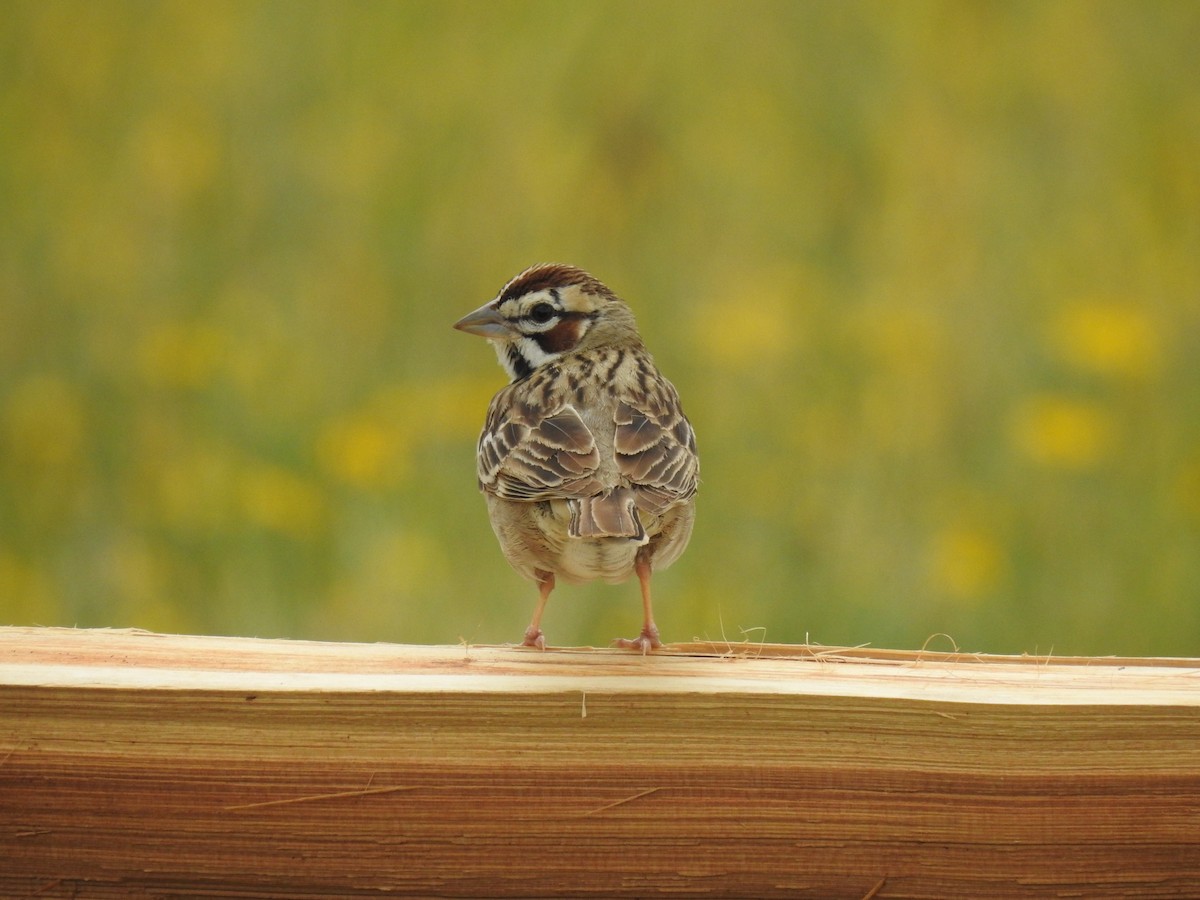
(551, 276)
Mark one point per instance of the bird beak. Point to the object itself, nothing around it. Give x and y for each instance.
(485, 322)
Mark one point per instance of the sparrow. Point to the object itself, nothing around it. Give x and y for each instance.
(586, 459)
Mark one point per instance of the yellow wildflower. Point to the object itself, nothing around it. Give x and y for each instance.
(281, 501)
(755, 326)
(1107, 339)
(178, 355)
(363, 451)
(1061, 431)
(965, 562)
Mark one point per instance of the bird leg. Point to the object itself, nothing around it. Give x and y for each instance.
(533, 634)
(648, 639)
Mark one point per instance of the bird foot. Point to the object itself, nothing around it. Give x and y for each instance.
(646, 641)
(534, 638)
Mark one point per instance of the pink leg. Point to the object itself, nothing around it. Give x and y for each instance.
(533, 634)
(648, 640)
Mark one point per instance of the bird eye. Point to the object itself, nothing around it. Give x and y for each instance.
(542, 313)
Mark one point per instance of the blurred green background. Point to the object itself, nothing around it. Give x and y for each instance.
(926, 274)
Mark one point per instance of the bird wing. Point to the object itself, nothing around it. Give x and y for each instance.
(526, 454)
(656, 447)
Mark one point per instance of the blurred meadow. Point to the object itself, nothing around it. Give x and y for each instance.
(926, 274)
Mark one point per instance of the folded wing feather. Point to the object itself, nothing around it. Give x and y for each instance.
(527, 457)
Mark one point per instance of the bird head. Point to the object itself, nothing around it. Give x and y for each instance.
(546, 312)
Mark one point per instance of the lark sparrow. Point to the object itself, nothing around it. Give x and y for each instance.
(586, 460)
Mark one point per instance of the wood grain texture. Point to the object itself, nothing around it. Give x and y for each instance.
(141, 765)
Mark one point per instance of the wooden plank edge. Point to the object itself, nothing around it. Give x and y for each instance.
(137, 659)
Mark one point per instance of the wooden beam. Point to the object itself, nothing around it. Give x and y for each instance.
(143, 765)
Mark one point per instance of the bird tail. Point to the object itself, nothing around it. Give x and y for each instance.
(610, 515)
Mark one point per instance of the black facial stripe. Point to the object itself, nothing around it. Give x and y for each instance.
(519, 364)
(533, 328)
(569, 314)
(542, 340)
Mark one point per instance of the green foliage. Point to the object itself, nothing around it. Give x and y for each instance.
(926, 274)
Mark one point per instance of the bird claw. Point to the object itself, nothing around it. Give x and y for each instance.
(534, 638)
(646, 641)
